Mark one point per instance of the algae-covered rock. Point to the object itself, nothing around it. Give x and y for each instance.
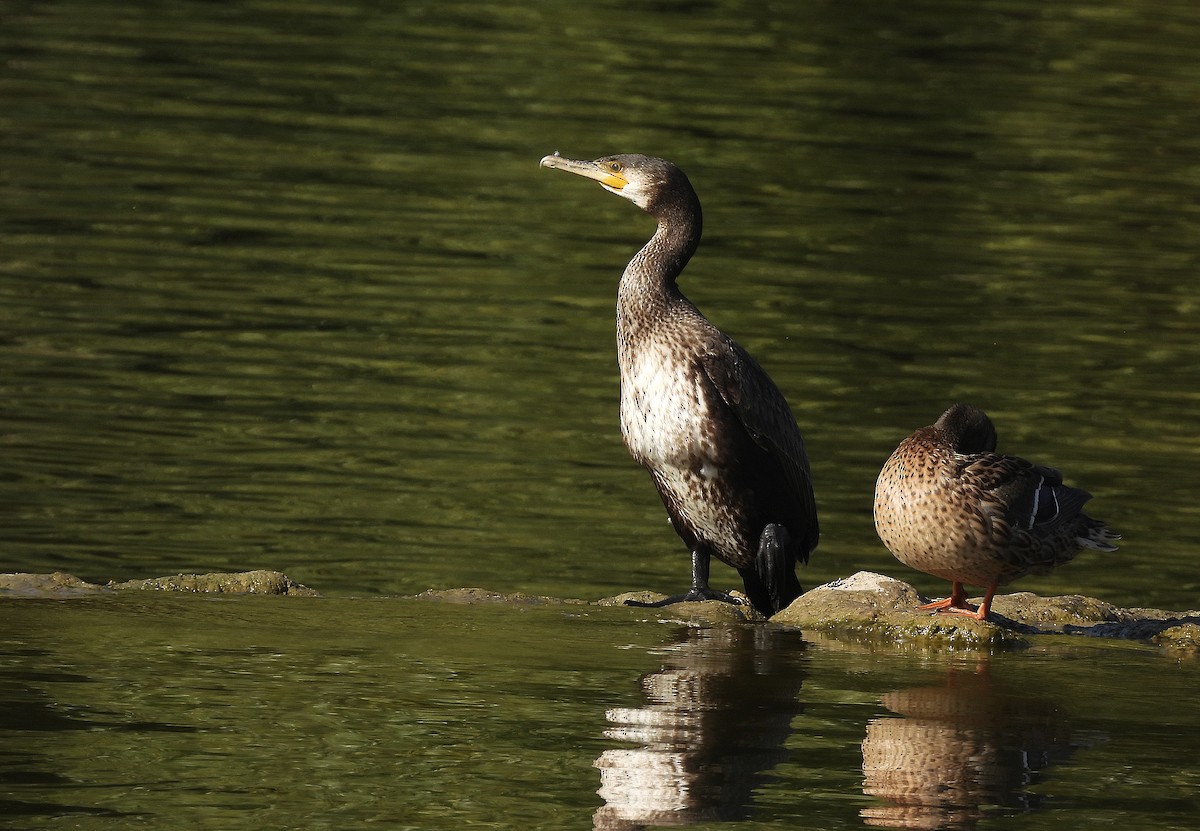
(56, 585)
(60, 585)
(709, 612)
(636, 597)
(472, 595)
(874, 606)
(862, 596)
(1184, 637)
(246, 582)
(1058, 613)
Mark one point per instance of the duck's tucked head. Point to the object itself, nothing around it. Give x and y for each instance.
(967, 429)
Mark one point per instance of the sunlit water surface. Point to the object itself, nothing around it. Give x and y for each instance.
(281, 286)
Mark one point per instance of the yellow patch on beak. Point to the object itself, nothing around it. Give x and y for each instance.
(614, 180)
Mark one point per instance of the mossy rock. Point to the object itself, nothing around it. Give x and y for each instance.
(56, 585)
(245, 582)
(876, 607)
(873, 606)
(475, 595)
(1183, 638)
(61, 585)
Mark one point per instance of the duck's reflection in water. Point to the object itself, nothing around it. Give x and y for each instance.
(959, 750)
(715, 721)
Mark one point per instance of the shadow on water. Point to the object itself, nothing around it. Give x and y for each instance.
(715, 722)
(960, 751)
(30, 710)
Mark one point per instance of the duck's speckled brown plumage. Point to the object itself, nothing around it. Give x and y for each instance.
(702, 417)
(947, 504)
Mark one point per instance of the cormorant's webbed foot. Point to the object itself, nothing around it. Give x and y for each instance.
(691, 595)
(699, 589)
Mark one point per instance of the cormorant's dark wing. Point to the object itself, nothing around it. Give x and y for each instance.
(760, 407)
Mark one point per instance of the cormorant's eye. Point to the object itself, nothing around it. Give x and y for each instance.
(615, 167)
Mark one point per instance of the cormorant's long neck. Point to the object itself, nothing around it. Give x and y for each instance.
(648, 286)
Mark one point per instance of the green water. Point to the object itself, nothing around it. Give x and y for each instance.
(171, 712)
(282, 286)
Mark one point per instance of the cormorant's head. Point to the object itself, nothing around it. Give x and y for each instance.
(644, 180)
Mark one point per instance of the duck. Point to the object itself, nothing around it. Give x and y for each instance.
(947, 504)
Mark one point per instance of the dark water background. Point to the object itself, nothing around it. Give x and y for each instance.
(281, 286)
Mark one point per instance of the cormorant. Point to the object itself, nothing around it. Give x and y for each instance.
(704, 419)
(947, 504)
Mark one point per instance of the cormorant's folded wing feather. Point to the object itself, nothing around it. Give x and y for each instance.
(763, 412)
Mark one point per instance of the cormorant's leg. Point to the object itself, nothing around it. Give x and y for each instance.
(699, 589)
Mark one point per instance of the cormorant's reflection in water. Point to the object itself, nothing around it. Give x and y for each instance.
(959, 747)
(715, 721)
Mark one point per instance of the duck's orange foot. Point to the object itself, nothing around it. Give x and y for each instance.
(956, 604)
(938, 605)
(978, 614)
(949, 607)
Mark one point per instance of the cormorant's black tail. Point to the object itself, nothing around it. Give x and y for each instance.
(771, 582)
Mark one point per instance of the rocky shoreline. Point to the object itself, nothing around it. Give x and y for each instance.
(864, 606)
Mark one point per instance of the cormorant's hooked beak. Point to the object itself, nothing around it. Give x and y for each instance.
(611, 179)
